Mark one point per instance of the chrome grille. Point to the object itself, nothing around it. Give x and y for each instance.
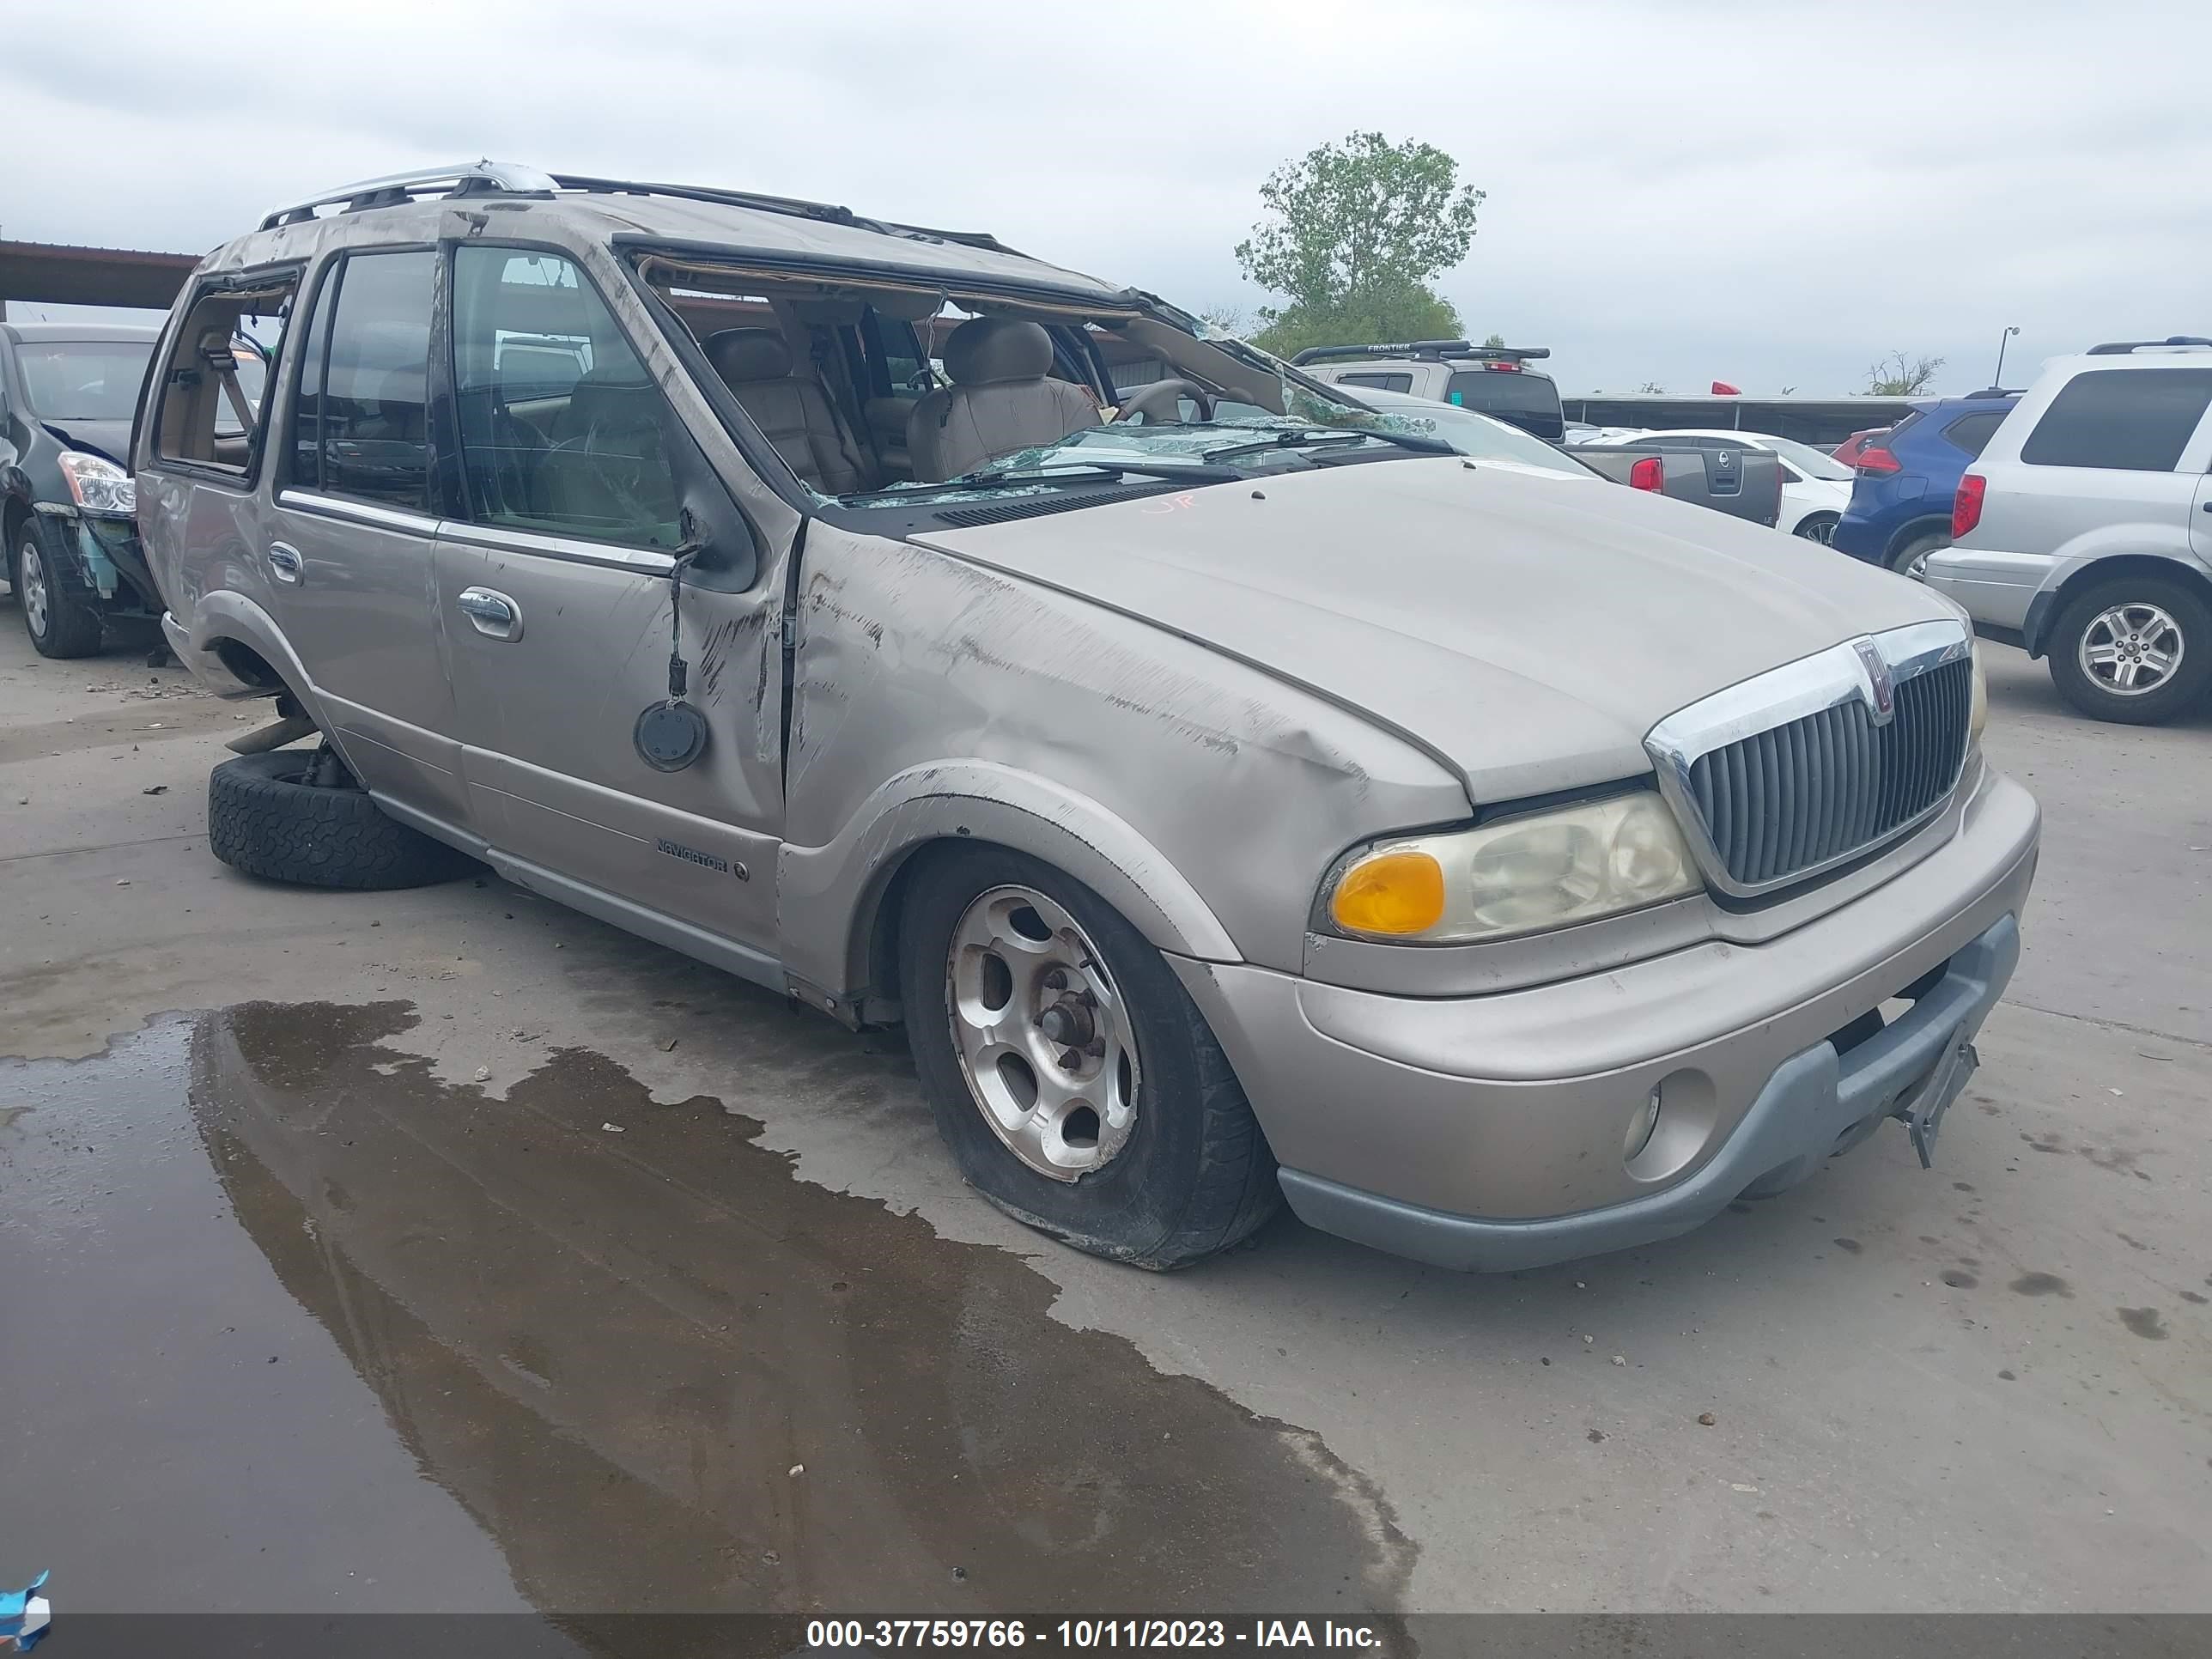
(1797, 771)
(1821, 788)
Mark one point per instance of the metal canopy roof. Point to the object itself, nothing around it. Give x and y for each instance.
(51, 273)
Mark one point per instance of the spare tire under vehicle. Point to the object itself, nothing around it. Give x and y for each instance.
(266, 819)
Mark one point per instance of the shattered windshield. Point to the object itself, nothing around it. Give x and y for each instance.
(1242, 440)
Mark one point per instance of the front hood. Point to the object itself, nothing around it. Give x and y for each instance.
(1526, 629)
(108, 438)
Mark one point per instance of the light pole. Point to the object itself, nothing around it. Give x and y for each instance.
(2003, 339)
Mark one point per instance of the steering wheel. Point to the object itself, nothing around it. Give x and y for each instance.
(1157, 402)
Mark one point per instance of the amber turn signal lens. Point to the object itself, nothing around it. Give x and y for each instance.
(1394, 893)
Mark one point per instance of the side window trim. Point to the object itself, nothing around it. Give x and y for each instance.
(368, 512)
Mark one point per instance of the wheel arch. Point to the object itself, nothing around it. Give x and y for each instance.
(1912, 530)
(838, 904)
(238, 651)
(2048, 605)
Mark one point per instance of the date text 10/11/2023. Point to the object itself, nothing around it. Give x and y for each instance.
(1086, 1634)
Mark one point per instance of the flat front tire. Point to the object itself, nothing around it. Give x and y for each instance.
(2135, 649)
(266, 819)
(1076, 1085)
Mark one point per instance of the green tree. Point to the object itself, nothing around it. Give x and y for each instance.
(1893, 377)
(1355, 234)
(1493, 340)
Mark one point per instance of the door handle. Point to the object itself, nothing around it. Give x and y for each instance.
(284, 563)
(493, 615)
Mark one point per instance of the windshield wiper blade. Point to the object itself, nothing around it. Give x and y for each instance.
(1419, 446)
(1298, 438)
(1102, 471)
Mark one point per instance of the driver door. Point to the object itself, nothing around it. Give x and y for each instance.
(556, 586)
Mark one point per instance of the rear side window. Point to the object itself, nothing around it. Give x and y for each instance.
(2136, 420)
(214, 384)
(360, 428)
(1973, 433)
(1529, 401)
(895, 350)
(1380, 382)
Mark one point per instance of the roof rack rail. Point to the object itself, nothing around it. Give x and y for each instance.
(485, 177)
(825, 212)
(2121, 348)
(1432, 348)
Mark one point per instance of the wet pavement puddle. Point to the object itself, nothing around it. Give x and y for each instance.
(294, 1325)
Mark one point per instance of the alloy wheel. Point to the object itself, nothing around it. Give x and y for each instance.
(2131, 650)
(31, 581)
(1044, 1041)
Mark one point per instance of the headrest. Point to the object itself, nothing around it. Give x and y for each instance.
(748, 354)
(613, 401)
(985, 351)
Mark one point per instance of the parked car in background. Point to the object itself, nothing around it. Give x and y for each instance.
(1848, 452)
(1735, 479)
(1682, 474)
(1233, 808)
(68, 392)
(1815, 487)
(2084, 530)
(1493, 380)
(1900, 505)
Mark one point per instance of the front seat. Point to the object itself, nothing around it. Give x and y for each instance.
(1001, 399)
(791, 410)
(608, 471)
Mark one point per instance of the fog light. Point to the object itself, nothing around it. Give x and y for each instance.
(1640, 1126)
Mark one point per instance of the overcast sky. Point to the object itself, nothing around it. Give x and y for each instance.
(1773, 194)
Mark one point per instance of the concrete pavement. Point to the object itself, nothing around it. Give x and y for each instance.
(340, 1280)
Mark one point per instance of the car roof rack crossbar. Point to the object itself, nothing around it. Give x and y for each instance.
(2121, 348)
(485, 177)
(1438, 350)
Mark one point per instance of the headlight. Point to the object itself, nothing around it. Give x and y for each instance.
(1978, 710)
(98, 484)
(1517, 875)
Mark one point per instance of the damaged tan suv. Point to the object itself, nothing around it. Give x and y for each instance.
(1237, 794)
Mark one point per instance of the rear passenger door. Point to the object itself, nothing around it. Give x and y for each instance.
(555, 586)
(348, 558)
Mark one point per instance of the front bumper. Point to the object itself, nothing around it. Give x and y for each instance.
(112, 561)
(1486, 1132)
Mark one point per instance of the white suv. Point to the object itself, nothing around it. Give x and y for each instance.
(2084, 533)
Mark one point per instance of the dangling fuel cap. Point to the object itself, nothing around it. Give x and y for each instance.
(670, 735)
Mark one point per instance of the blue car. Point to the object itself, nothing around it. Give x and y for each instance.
(1901, 506)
